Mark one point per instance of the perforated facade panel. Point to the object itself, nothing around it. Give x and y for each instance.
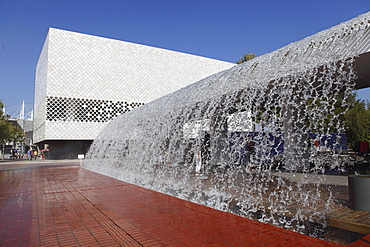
(84, 81)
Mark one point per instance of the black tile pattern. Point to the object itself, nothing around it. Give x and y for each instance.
(62, 109)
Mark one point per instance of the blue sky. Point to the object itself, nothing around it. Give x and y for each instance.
(223, 30)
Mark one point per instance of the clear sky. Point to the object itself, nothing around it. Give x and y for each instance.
(223, 30)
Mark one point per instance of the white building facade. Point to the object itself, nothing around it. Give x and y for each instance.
(84, 81)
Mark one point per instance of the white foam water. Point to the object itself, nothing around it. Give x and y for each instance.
(223, 141)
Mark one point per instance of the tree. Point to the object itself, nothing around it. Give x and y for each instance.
(246, 57)
(332, 110)
(9, 132)
(356, 118)
(357, 121)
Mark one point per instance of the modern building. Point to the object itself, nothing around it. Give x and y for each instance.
(84, 81)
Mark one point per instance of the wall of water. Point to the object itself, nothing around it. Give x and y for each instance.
(224, 140)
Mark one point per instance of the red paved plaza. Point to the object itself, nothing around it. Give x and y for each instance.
(61, 204)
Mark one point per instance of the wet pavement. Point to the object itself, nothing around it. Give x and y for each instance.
(55, 203)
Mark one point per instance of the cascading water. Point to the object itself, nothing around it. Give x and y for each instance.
(244, 128)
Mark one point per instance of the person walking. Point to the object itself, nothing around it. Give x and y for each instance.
(15, 154)
(198, 164)
(29, 154)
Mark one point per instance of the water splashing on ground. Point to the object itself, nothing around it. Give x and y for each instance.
(244, 127)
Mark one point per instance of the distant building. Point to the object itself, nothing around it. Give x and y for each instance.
(84, 81)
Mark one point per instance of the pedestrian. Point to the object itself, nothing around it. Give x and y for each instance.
(198, 164)
(29, 155)
(35, 154)
(15, 154)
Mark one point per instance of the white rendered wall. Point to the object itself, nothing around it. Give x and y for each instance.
(40, 94)
(78, 72)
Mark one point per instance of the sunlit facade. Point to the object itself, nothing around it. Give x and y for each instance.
(84, 81)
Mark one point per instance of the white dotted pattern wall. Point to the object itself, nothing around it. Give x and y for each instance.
(82, 78)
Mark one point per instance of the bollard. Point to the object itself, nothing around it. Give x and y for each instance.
(359, 192)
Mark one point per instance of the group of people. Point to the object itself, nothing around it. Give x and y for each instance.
(32, 154)
(15, 154)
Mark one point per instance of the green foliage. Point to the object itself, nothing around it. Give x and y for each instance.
(357, 121)
(352, 112)
(330, 111)
(9, 132)
(1, 109)
(4, 126)
(246, 57)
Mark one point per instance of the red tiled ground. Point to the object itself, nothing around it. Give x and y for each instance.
(70, 206)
